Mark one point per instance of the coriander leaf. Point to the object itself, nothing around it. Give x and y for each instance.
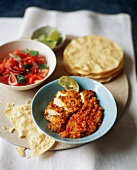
(27, 66)
(34, 53)
(25, 51)
(21, 78)
(42, 66)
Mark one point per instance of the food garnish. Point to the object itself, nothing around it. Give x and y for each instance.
(23, 67)
(52, 39)
(68, 83)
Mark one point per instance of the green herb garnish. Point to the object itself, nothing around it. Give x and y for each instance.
(25, 51)
(21, 78)
(42, 66)
(27, 66)
(34, 53)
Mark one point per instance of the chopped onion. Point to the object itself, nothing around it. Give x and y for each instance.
(11, 78)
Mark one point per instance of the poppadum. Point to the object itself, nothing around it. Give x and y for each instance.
(93, 55)
(20, 117)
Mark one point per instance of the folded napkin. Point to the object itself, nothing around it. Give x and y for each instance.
(116, 150)
(76, 23)
(9, 29)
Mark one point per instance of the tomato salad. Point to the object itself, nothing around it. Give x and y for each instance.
(23, 67)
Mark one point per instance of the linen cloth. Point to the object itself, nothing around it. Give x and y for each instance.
(116, 150)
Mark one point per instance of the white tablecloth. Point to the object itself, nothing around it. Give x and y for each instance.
(117, 150)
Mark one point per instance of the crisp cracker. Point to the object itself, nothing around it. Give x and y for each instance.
(21, 119)
(21, 151)
(93, 56)
(11, 129)
(4, 127)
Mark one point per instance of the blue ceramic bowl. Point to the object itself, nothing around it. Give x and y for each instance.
(46, 94)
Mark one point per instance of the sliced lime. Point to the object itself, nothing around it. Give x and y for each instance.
(68, 83)
(53, 36)
(42, 37)
(52, 39)
(51, 44)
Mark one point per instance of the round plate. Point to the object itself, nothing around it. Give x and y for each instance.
(118, 87)
(46, 94)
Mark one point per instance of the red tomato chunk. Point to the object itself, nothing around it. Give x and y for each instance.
(23, 67)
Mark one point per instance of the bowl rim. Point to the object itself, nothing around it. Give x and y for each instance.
(77, 141)
(37, 83)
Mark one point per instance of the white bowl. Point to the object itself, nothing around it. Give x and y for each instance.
(46, 30)
(43, 49)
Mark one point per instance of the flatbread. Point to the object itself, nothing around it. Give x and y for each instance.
(106, 79)
(93, 56)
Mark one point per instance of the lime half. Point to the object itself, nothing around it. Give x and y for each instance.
(68, 83)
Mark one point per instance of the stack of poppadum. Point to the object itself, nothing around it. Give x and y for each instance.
(94, 57)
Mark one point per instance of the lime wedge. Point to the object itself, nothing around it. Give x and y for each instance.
(51, 44)
(51, 40)
(42, 37)
(68, 83)
(53, 36)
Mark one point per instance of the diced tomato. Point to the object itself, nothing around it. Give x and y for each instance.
(11, 63)
(35, 70)
(21, 54)
(4, 79)
(23, 63)
(34, 78)
(5, 61)
(18, 68)
(29, 60)
(6, 71)
(44, 72)
(40, 60)
(1, 68)
(28, 75)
